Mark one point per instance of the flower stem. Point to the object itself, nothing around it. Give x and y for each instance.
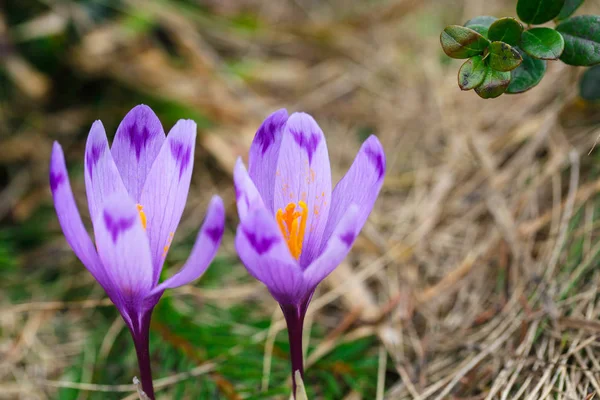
(141, 339)
(294, 318)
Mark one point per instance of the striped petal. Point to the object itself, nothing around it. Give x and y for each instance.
(70, 219)
(339, 244)
(246, 194)
(165, 191)
(205, 249)
(303, 174)
(102, 178)
(123, 248)
(137, 142)
(263, 251)
(360, 186)
(264, 153)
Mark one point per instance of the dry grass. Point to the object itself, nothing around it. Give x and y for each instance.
(477, 268)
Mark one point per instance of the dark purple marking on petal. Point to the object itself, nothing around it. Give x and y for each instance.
(348, 238)
(117, 225)
(215, 233)
(265, 136)
(94, 155)
(56, 179)
(377, 160)
(182, 154)
(308, 142)
(138, 135)
(260, 244)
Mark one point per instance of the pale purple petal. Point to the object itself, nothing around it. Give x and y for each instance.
(337, 248)
(137, 142)
(247, 196)
(303, 174)
(360, 186)
(204, 250)
(265, 254)
(264, 153)
(123, 247)
(70, 219)
(102, 178)
(165, 191)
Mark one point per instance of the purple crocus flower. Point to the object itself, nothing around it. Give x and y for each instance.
(293, 229)
(136, 193)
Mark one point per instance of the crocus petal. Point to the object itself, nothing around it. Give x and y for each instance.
(70, 219)
(102, 177)
(264, 153)
(204, 250)
(359, 186)
(247, 196)
(263, 251)
(166, 189)
(303, 174)
(123, 247)
(137, 142)
(337, 248)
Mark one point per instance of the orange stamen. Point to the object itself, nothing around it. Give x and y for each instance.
(168, 245)
(292, 224)
(140, 209)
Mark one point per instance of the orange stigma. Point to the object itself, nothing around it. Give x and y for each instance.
(292, 224)
(140, 209)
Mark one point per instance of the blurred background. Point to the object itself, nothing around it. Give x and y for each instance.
(475, 277)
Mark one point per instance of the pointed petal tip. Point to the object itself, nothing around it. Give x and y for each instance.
(57, 157)
(97, 133)
(184, 129)
(373, 149)
(97, 124)
(240, 174)
(186, 122)
(282, 113)
(247, 196)
(141, 110)
(56, 147)
(142, 106)
(214, 224)
(303, 125)
(217, 201)
(57, 171)
(239, 166)
(302, 116)
(308, 136)
(374, 140)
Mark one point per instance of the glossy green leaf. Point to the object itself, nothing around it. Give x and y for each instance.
(538, 11)
(589, 85)
(481, 24)
(494, 84)
(544, 43)
(582, 40)
(527, 75)
(471, 73)
(507, 30)
(503, 57)
(461, 42)
(568, 9)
